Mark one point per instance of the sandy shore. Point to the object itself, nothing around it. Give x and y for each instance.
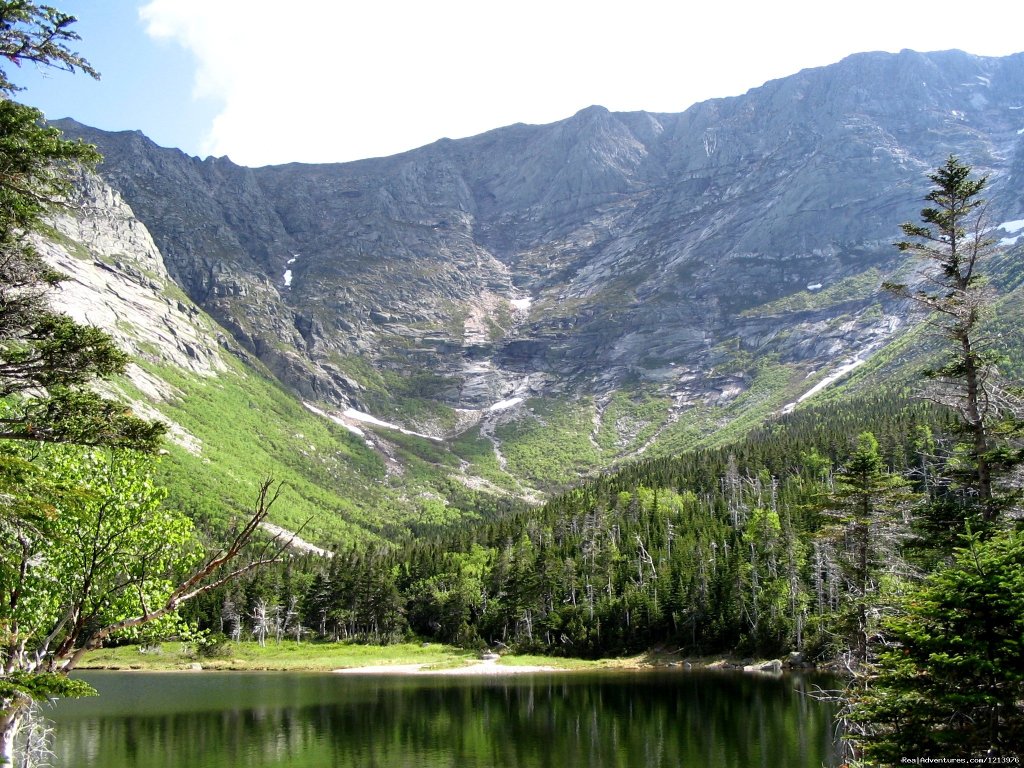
(480, 667)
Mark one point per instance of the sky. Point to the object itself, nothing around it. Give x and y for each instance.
(336, 80)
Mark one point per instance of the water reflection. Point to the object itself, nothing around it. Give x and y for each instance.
(557, 721)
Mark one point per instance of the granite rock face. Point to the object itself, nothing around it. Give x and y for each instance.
(590, 254)
(115, 278)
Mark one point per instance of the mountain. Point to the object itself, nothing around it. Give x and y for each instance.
(230, 423)
(540, 302)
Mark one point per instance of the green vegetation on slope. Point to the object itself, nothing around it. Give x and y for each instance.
(339, 490)
(854, 288)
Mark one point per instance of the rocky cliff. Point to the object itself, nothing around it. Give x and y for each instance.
(630, 275)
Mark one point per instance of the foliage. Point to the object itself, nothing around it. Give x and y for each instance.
(550, 448)
(85, 544)
(868, 518)
(106, 549)
(712, 551)
(46, 359)
(252, 428)
(90, 554)
(38, 34)
(952, 683)
(85, 549)
(952, 237)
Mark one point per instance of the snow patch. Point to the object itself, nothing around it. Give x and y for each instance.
(1016, 230)
(336, 420)
(522, 304)
(366, 418)
(814, 287)
(503, 405)
(288, 272)
(848, 365)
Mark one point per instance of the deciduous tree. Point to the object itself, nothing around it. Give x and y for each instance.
(93, 555)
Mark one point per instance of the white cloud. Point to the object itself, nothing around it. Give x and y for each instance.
(340, 80)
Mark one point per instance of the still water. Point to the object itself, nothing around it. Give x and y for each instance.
(568, 720)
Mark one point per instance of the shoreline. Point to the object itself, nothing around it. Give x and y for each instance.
(479, 667)
(409, 659)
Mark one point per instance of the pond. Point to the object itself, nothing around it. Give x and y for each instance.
(558, 720)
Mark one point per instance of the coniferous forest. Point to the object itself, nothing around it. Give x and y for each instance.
(741, 549)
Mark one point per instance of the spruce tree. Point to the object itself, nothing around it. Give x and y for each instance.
(952, 682)
(867, 522)
(952, 237)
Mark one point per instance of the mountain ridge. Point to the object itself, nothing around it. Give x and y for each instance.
(556, 266)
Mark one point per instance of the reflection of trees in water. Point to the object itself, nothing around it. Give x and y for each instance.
(677, 720)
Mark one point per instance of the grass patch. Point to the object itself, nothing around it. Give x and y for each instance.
(558, 662)
(286, 655)
(854, 288)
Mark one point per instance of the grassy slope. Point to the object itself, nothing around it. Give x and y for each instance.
(337, 488)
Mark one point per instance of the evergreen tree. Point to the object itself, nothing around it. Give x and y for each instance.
(952, 236)
(953, 684)
(47, 360)
(866, 513)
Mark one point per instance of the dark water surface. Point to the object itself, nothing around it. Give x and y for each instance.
(633, 720)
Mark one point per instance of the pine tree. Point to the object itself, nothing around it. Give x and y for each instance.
(952, 236)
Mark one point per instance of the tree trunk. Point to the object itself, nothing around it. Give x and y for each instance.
(10, 724)
(977, 426)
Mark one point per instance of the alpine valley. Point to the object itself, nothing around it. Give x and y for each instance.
(412, 340)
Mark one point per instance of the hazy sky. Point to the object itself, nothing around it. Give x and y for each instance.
(339, 80)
